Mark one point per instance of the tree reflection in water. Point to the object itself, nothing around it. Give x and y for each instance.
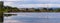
(1, 17)
(7, 15)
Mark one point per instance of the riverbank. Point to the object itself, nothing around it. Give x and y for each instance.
(15, 9)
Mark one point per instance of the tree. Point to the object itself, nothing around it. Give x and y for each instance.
(37, 10)
(57, 10)
(44, 8)
(1, 4)
(50, 9)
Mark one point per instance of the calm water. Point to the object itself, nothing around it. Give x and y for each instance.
(33, 18)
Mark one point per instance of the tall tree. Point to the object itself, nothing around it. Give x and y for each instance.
(1, 4)
(1, 12)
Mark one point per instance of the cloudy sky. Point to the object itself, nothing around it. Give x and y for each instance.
(1, 0)
(32, 3)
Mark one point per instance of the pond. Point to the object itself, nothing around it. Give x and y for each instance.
(31, 17)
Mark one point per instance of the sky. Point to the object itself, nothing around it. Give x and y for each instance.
(32, 3)
(1, 0)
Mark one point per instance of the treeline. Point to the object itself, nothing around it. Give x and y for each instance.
(15, 9)
(10, 9)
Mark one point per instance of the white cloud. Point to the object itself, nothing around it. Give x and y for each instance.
(30, 5)
(39, 5)
(13, 0)
(33, 0)
(48, 0)
(1, 0)
(17, 0)
(37, 1)
(8, 3)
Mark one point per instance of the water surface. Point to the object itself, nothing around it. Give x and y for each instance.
(33, 18)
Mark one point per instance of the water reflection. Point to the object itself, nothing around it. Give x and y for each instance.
(7, 15)
(33, 18)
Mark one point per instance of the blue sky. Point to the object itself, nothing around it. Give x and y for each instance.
(32, 3)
